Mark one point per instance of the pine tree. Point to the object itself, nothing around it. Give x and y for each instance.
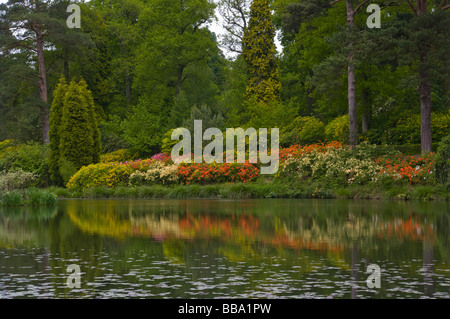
(259, 53)
(54, 132)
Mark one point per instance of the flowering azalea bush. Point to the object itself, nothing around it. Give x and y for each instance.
(162, 157)
(345, 165)
(157, 173)
(333, 164)
(411, 169)
(297, 151)
(220, 173)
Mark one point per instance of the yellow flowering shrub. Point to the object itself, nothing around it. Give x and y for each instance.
(104, 174)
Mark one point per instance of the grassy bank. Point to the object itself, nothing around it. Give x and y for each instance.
(261, 190)
(29, 197)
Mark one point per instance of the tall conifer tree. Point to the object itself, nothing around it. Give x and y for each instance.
(260, 54)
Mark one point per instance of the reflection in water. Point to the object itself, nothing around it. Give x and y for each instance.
(222, 248)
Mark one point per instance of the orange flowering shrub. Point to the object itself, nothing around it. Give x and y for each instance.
(299, 150)
(410, 168)
(217, 173)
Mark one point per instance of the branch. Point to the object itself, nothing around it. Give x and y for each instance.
(359, 6)
(335, 1)
(29, 79)
(445, 7)
(412, 7)
(18, 45)
(442, 4)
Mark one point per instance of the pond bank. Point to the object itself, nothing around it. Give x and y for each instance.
(261, 190)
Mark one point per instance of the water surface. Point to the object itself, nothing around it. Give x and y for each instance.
(226, 249)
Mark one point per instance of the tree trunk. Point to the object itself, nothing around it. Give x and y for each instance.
(425, 110)
(366, 110)
(42, 84)
(353, 124)
(424, 91)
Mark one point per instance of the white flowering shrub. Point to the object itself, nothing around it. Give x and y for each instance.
(337, 165)
(17, 180)
(158, 173)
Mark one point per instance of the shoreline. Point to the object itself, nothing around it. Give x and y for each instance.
(260, 191)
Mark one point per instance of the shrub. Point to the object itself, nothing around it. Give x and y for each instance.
(217, 173)
(118, 156)
(337, 129)
(411, 169)
(303, 130)
(32, 157)
(442, 163)
(103, 174)
(336, 165)
(299, 150)
(66, 170)
(158, 173)
(17, 180)
(407, 130)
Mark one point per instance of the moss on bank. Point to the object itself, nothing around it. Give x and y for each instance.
(262, 190)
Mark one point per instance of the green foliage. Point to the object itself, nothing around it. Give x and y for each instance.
(38, 197)
(142, 130)
(442, 163)
(32, 157)
(79, 132)
(13, 198)
(337, 129)
(407, 129)
(304, 131)
(104, 174)
(168, 143)
(122, 155)
(30, 197)
(66, 169)
(112, 137)
(259, 53)
(56, 112)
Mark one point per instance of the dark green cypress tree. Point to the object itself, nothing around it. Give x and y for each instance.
(54, 132)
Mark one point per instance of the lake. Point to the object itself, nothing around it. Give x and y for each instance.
(271, 248)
